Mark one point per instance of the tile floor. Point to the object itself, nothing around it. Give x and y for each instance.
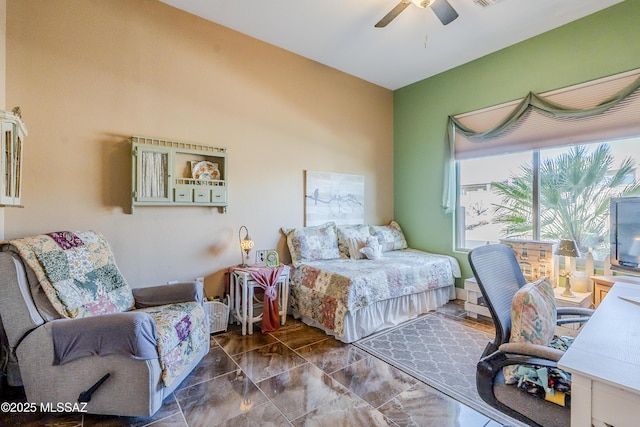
(297, 376)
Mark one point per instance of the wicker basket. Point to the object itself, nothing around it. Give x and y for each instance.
(218, 315)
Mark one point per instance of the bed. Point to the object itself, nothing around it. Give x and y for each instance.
(347, 295)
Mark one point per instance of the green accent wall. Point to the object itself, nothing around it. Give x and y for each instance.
(601, 44)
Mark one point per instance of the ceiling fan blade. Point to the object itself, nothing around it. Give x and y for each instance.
(444, 11)
(392, 15)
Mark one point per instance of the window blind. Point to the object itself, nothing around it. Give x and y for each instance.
(538, 129)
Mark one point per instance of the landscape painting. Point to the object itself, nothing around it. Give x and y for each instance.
(333, 197)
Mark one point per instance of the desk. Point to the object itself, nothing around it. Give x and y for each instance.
(604, 362)
(241, 298)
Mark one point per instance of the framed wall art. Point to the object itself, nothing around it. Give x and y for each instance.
(333, 197)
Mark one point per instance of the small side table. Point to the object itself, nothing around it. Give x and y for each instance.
(581, 300)
(474, 305)
(241, 298)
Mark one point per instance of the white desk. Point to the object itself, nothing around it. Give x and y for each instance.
(241, 299)
(604, 362)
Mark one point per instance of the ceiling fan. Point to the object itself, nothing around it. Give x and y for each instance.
(443, 10)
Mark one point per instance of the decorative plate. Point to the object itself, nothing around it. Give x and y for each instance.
(205, 170)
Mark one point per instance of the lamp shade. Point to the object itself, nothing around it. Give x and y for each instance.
(245, 245)
(568, 247)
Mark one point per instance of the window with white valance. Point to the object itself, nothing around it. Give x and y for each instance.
(603, 110)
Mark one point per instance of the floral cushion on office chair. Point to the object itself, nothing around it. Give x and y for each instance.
(533, 313)
(533, 320)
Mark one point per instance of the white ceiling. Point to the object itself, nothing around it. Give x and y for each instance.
(341, 33)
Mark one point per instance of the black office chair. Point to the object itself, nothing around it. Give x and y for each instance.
(499, 277)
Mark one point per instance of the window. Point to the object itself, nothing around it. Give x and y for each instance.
(545, 194)
(478, 198)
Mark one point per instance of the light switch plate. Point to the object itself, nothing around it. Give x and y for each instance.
(261, 256)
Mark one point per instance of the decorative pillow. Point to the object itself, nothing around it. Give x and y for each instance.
(533, 319)
(355, 244)
(312, 243)
(533, 313)
(372, 249)
(345, 232)
(390, 236)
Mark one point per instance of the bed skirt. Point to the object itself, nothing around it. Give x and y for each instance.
(388, 313)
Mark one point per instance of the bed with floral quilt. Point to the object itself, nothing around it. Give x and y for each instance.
(354, 280)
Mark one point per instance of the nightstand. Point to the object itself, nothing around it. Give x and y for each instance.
(581, 300)
(242, 301)
(474, 305)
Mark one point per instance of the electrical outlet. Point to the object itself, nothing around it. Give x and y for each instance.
(261, 256)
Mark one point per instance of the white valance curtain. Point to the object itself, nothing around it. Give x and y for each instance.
(603, 109)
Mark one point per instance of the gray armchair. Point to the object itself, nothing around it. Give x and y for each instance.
(57, 358)
(499, 277)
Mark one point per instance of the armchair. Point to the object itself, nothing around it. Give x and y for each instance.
(499, 278)
(70, 318)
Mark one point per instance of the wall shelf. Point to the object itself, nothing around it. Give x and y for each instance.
(162, 173)
(11, 144)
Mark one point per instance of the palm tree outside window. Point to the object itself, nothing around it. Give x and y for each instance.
(547, 194)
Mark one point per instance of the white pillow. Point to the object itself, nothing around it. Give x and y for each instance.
(347, 231)
(372, 249)
(355, 244)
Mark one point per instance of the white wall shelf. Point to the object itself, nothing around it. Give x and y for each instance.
(11, 144)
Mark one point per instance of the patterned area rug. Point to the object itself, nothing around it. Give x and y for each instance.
(440, 352)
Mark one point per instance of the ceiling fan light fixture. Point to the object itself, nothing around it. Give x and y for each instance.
(442, 9)
(422, 3)
(485, 3)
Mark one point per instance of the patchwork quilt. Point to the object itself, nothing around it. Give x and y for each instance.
(77, 272)
(181, 332)
(327, 290)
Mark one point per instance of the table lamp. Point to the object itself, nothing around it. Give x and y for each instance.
(568, 249)
(245, 246)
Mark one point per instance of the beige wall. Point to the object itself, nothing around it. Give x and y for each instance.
(3, 68)
(90, 73)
